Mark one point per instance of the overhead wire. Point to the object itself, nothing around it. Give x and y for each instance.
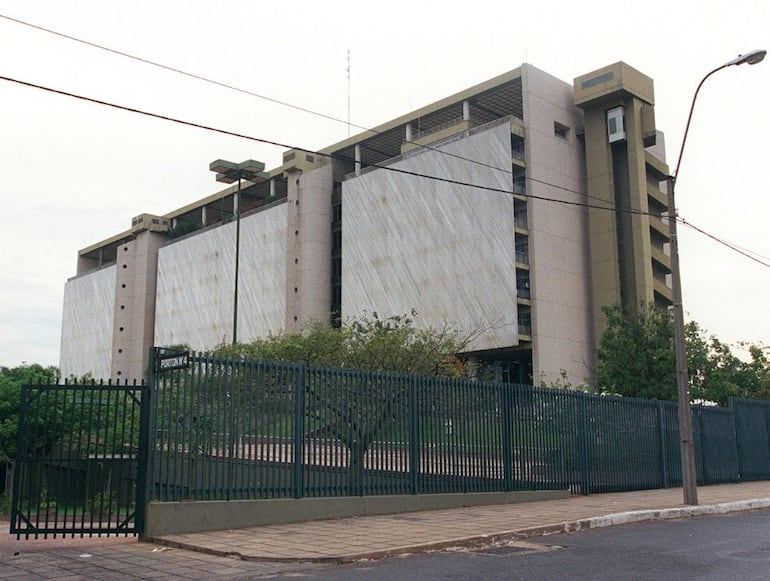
(747, 253)
(276, 101)
(331, 156)
(228, 86)
(383, 167)
(175, 70)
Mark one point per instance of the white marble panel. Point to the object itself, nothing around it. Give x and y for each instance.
(86, 338)
(443, 249)
(194, 302)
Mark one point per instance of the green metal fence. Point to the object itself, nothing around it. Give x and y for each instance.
(89, 456)
(752, 428)
(78, 460)
(236, 429)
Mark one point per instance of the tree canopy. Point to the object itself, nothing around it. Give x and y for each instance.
(636, 358)
(11, 380)
(370, 342)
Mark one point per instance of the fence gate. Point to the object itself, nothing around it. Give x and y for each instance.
(77, 460)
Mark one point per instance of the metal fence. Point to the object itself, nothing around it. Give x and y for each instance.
(78, 460)
(90, 456)
(237, 430)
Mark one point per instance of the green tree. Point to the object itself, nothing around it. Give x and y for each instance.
(357, 410)
(636, 358)
(636, 354)
(717, 373)
(370, 343)
(11, 380)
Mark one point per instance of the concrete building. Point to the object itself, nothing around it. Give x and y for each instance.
(519, 207)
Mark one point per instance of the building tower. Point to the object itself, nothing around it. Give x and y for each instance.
(624, 169)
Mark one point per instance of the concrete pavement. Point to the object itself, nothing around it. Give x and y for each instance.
(350, 539)
(294, 548)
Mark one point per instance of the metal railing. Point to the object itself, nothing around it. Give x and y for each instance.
(231, 430)
(89, 457)
(79, 460)
(420, 133)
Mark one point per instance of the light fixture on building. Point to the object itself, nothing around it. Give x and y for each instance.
(228, 173)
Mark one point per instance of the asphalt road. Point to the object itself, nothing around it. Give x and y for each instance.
(724, 547)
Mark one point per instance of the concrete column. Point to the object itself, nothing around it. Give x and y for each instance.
(409, 132)
(308, 246)
(134, 312)
(466, 111)
(358, 158)
(272, 187)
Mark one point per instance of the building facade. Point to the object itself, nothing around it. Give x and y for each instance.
(517, 208)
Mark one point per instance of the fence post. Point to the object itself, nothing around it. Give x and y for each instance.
(737, 457)
(700, 458)
(414, 435)
(145, 457)
(299, 429)
(505, 429)
(233, 378)
(663, 445)
(583, 444)
(21, 453)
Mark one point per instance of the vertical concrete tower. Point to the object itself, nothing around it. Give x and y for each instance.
(624, 170)
(308, 239)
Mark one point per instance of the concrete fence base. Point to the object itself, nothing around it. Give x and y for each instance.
(168, 518)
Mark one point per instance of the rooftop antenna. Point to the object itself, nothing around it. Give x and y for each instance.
(348, 70)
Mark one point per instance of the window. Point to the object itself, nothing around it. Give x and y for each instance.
(616, 127)
(561, 131)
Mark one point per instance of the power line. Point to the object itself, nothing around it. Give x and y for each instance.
(747, 254)
(348, 159)
(176, 70)
(279, 102)
(287, 146)
(349, 124)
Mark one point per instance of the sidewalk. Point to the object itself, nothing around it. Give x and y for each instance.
(371, 537)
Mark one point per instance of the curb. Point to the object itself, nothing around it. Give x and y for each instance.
(622, 518)
(614, 519)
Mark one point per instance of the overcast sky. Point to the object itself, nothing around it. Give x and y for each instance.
(74, 173)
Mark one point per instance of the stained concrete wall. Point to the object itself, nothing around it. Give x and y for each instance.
(167, 518)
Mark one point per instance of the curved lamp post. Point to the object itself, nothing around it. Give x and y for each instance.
(687, 444)
(228, 173)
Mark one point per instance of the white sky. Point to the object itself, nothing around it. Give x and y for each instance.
(74, 173)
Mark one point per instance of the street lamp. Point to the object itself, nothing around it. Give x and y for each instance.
(228, 173)
(687, 444)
